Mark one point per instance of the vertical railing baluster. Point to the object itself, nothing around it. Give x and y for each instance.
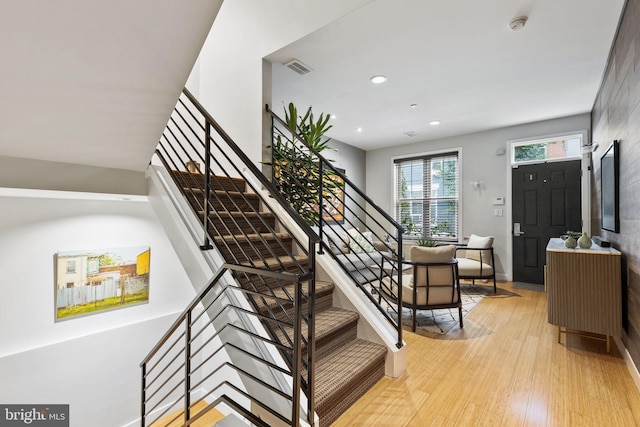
(311, 327)
(143, 409)
(273, 157)
(207, 185)
(320, 203)
(187, 368)
(400, 260)
(297, 354)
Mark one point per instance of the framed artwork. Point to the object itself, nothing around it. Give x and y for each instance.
(91, 281)
(610, 188)
(333, 209)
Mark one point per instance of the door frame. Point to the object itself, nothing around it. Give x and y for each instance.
(585, 188)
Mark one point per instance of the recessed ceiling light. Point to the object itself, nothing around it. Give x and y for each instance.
(333, 116)
(434, 122)
(378, 79)
(413, 106)
(359, 130)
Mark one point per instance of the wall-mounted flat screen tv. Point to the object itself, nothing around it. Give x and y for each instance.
(610, 187)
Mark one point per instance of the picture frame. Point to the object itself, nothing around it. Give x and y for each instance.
(90, 281)
(333, 206)
(610, 188)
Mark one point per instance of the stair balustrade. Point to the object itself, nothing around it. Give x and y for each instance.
(271, 263)
(210, 355)
(354, 230)
(238, 207)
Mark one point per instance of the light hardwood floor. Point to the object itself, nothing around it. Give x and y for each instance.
(505, 368)
(176, 420)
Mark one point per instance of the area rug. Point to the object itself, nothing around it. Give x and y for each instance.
(528, 286)
(442, 321)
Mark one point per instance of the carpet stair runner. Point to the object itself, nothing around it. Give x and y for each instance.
(346, 366)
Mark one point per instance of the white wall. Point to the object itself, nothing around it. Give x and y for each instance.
(89, 362)
(479, 162)
(230, 64)
(45, 175)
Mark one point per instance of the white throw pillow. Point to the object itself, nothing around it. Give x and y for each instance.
(479, 242)
(360, 242)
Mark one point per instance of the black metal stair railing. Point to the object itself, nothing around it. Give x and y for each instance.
(206, 358)
(363, 238)
(238, 208)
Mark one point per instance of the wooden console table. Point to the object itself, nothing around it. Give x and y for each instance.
(584, 290)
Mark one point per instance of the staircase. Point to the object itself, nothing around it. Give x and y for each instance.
(275, 333)
(345, 366)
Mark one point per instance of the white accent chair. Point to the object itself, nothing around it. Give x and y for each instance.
(476, 260)
(433, 282)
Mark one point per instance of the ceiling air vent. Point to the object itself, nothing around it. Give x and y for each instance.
(298, 67)
(411, 133)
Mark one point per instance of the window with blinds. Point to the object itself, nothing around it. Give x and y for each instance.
(427, 196)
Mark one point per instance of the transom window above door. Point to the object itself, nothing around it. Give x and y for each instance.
(547, 149)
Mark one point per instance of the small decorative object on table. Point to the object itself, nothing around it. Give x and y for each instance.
(193, 166)
(572, 240)
(584, 241)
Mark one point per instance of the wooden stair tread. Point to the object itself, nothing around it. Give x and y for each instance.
(239, 214)
(275, 262)
(234, 193)
(333, 319)
(344, 375)
(329, 323)
(322, 288)
(253, 237)
(335, 368)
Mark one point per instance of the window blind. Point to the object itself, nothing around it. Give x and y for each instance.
(427, 196)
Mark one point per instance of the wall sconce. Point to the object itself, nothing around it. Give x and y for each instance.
(587, 149)
(476, 185)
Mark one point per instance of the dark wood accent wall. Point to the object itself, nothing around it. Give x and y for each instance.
(616, 115)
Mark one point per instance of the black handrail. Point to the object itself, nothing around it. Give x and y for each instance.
(363, 267)
(252, 167)
(327, 164)
(153, 374)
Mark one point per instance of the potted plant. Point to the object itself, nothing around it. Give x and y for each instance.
(297, 168)
(426, 241)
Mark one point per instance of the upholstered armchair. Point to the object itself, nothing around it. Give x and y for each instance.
(431, 283)
(476, 260)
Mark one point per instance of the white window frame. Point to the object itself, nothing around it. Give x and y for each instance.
(439, 153)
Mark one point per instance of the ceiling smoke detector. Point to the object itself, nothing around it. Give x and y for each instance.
(517, 23)
(298, 67)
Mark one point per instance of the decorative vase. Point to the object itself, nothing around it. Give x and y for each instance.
(570, 242)
(584, 241)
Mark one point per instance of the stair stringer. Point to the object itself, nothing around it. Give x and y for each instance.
(186, 233)
(371, 327)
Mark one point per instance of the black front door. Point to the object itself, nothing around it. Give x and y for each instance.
(546, 203)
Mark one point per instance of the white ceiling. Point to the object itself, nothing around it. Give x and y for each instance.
(457, 60)
(93, 82)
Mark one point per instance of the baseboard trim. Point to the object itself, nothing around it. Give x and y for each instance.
(631, 367)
